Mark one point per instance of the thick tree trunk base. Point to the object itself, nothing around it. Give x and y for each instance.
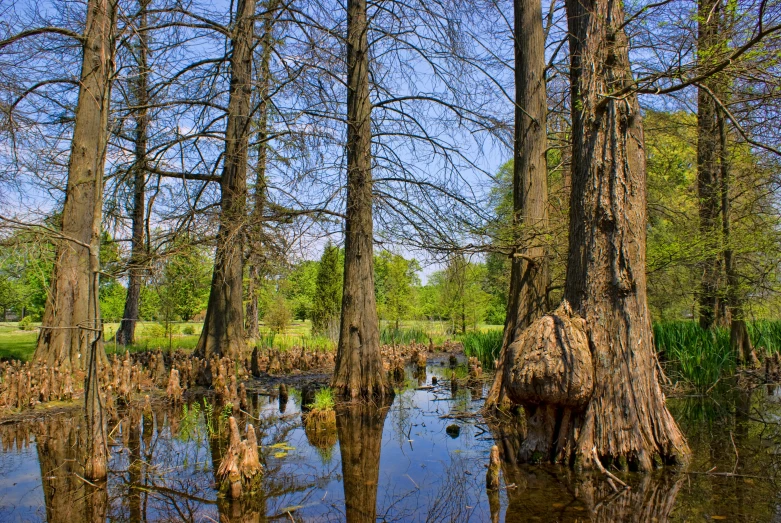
(550, 373)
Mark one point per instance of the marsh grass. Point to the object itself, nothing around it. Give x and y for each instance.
(693, 355)
(484, 345)
(403, 335)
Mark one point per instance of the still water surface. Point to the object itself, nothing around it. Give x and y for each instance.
(423, 458)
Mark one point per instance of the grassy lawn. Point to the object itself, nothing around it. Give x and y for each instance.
(15, 343)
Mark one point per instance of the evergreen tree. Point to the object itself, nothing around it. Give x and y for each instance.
(328, 293)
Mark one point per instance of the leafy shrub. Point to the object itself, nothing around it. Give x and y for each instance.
(188, 330)
(26, 323)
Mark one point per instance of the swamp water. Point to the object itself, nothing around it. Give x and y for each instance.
(423, 458)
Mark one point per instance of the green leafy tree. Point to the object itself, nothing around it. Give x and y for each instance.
(396, 283)
(301, 289)
(327, 303)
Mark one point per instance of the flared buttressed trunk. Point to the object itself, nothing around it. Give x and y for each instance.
(529, 276)
(60, 342)
(626, 418)
(223, 327)
(358, 361)
(587, 375)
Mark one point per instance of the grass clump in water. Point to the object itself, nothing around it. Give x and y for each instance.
(483, 345)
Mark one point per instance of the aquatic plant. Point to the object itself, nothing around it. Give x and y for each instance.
(765, 335)
(324, 400)
(695, 356)
(483, 345)
(403, 335)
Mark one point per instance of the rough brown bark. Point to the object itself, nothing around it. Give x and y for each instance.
(223, 327)
(358, 361)
(529, 275)
(708, 166)
(256, 230)
(359, 426)
(587, 377)
(127, 328)
(67, 311)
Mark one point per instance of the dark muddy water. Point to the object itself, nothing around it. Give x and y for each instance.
(423, 458)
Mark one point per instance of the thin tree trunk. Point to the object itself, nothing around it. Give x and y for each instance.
(256, 271)
(529, 274)
(708, 167)
(68, 308)
(358, 361)
(587, 375)
(127, 329)
(223, 327)
(740, 342)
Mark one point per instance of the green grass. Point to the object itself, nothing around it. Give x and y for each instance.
(403, 335)
(484, 345)
(324, 400)
(695, 356)
(17, 344)
(765, 335)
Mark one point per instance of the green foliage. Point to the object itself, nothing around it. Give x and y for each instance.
(188, 330)
(25, 324)
(484, 345)
(324, 400)
(696, 356)
(180, 284)
(327, 304)
(403, 336)
(189, 424)
(278, 315)
(458, 295)
(765, 335)
(302, 287)
(112, 301)
(395, 282)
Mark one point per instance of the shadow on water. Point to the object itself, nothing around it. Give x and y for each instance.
(420, 458)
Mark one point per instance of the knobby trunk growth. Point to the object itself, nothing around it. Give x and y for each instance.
(586, 374)
(223, 327)
(127, 329)
(68, 309)
(359, 368)
(529, 276)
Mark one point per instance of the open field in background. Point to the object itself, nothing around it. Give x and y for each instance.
(689, 354)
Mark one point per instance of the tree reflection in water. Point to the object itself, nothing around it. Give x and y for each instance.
(359, 427)
(548, 492)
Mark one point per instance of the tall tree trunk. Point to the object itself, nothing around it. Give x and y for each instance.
(358, 361)
(740, 341)
(529, 275)
(359, 426)
(708, 166)
(256, 258)
(223, 327)
(587, 375)
(68, 309)
(127, 329)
